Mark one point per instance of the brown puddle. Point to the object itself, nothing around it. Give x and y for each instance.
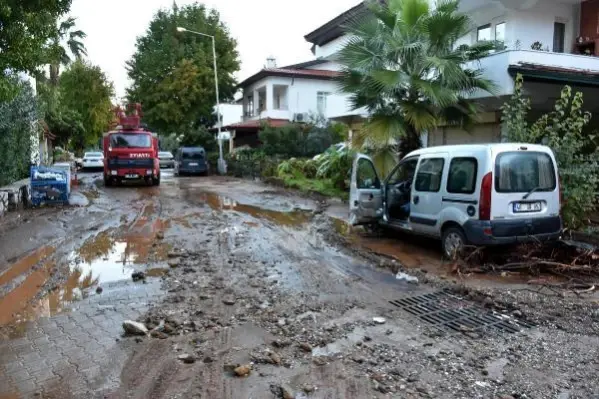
(25, 264)
(424, 253)
(218, 202)
(103, 258)
(409, 254)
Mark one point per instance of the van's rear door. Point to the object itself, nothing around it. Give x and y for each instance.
(526, 187)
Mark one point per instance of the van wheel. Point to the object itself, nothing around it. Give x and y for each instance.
(453, 241)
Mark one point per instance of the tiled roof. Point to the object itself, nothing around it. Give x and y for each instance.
(544, 73)
(549, 68)
(334, 28)
(288, 72)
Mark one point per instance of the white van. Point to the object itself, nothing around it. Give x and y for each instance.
(464, 195)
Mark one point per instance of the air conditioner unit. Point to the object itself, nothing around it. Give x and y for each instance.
(300, 117)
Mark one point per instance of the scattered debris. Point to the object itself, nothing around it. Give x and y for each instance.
(243, 371)
(406, 277)
(174, 262)
(187, 358)
(137, 276)
(229, 300)
(134, 328)
(287, 392)
(379, 320)
(99, 290)
(306, 347)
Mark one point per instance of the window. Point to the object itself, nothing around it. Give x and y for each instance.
(130, 140)
(428, 178)
(321, 102)
(366, 175)
(403, 173)
(559, 34)
(521, 172)
(462, 176)
(250, 106)
(500, 32)
(484, 33)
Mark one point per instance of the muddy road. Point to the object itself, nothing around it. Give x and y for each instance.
(251, 292)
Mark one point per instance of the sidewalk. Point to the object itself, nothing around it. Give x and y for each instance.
(13, 195)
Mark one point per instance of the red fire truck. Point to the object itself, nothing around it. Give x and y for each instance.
(130, 151)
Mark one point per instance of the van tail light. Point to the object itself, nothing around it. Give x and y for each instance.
(484, 206)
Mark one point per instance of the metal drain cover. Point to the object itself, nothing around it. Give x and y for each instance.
(447, 311)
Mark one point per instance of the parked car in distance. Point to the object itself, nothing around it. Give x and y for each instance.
(93, 160)
(191, 161)
(465, 194)
(339, 147)
(167, 160)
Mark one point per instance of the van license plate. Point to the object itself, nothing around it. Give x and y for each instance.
(193, 164)
(131, 176)
(520, 207)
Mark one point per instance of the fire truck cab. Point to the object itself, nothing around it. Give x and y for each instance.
(130, 151)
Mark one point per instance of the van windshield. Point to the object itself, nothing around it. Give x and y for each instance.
(521, 172)
(130, 140)
(192, 155)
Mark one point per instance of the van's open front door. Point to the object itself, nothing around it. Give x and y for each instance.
(366, 196)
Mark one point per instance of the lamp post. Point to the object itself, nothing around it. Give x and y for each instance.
(222, 166)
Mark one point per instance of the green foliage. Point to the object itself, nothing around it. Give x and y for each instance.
(59, 54)
(321, 186)
(301, 140)
(336, 166)
(85, 89)
(403, 65)
(18, 119)
(173, 73)
(28, 26)
(200, 137)
(64, 124)
(169, 143)
(562, 130)
(251, 162)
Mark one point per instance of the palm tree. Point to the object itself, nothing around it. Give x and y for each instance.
(402, 63)
(73, 45)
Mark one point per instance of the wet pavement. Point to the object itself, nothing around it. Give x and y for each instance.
(237, 264)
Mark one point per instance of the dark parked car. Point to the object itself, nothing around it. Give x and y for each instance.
(167, 160)
(191, 160)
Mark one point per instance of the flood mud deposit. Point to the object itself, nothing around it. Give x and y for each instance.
(246, 292)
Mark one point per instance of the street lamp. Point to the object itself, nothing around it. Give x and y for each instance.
(222, 166)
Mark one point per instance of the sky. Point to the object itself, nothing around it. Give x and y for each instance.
(262, 28)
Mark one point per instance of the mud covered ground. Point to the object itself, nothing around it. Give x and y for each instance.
(252, 292)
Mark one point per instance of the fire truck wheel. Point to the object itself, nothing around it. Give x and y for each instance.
(108, 181)
(156, 181)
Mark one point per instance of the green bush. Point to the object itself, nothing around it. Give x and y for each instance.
(301, 140)
(17, 118)
(562, 131)
(337, 167)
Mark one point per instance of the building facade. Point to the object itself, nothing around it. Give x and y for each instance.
(552, 43)
(277, 96)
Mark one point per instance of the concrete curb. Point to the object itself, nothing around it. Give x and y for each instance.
(15, 196)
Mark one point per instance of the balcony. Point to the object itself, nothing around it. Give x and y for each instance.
(572, 68)
(272, 101)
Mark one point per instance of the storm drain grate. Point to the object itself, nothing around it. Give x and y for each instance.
(444, 310)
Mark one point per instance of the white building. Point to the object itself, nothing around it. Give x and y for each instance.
(552, 43)
(280, 95)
